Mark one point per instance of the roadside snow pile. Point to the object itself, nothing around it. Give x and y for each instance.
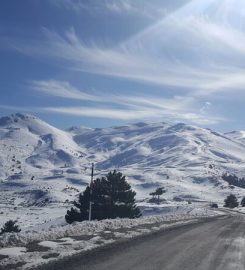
(38, 247)
(240, 210)
(93, 227)
(148, 209)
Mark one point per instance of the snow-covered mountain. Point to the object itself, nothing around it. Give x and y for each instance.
(237, 135)
(29, 146)
(41, 164)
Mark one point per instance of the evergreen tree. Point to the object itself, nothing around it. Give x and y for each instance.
(112, 197)
(234, 180)
(243, 202)
(10, 226)
(153, 194)
(158, 192)
(231, 201)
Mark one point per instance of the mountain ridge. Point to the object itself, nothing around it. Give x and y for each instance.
(187, 160)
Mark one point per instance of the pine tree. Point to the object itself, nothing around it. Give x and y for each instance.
(231, 201)
(158, 192)
(234, 180)
(112, 197)
(10, 226)
(243, 202)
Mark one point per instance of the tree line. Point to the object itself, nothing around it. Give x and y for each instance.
(233, 180)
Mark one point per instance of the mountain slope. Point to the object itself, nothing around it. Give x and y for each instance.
(40, 163)
(160, 144)
(237, 135)
(35, 145)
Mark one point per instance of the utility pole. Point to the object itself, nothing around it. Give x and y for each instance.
(90, 200)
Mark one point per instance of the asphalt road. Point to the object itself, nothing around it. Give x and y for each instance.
(214, 245)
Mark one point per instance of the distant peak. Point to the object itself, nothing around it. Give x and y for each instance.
(181, 127)
(78, 129)
(236, 134)
(24, 116)
(148, 123)
(15, 118)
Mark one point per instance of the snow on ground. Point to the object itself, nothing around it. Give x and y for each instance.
(239, 210)
(43, 169)
(43, 165)
(37, 246)
(51, 215)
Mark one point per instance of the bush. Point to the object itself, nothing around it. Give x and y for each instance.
(10, 226)
(214, 205)
(231, 201)
(112, 197)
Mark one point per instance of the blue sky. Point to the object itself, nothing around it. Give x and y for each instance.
(108, 62)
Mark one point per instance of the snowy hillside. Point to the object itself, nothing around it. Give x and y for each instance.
(237, 135)
(32, 154)
(37, 144)
(44, 166)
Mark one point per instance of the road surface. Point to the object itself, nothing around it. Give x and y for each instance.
(214, 245)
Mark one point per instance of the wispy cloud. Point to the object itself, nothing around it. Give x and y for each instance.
(142, 8)
(131, 107)
(64, 89)
(101, 112)
(74, 5)
(191, 53)
(16, 108)
(197, 50)
(136, 114)
(131, 113)
(59, 89)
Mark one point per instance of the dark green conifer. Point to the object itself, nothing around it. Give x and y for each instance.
(231, 201)
(112, 197)
(10, 226)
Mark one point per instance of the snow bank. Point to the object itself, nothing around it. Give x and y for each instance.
(93, 227)
(32, 248)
